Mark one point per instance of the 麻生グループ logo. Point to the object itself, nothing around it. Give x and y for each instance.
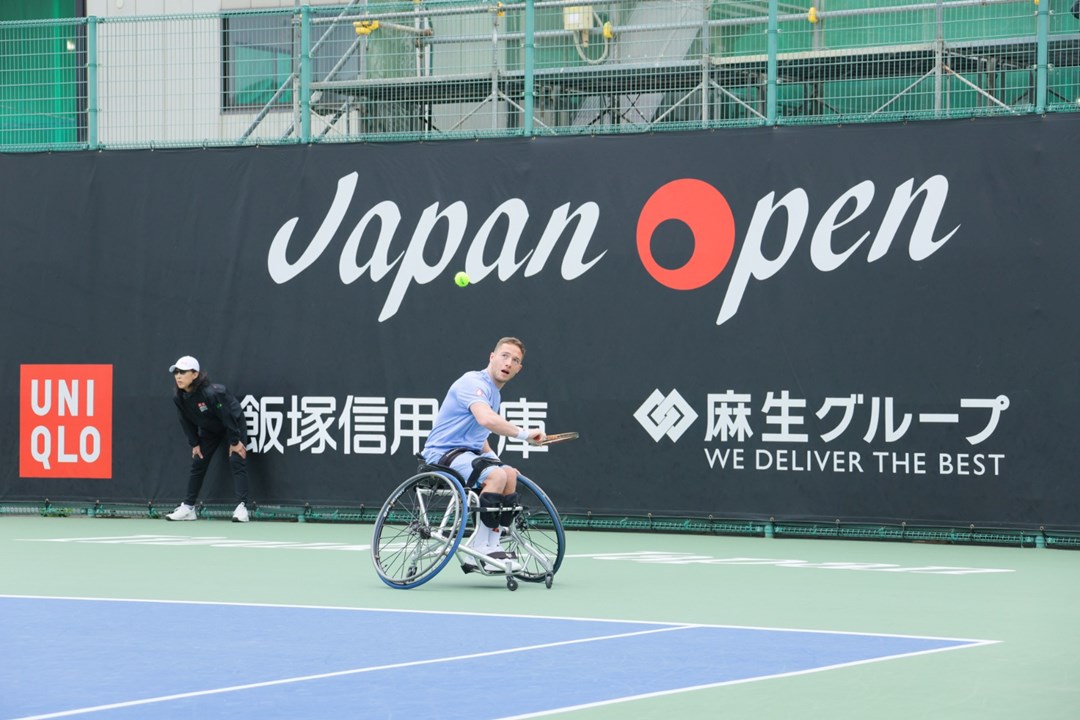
(668, 415)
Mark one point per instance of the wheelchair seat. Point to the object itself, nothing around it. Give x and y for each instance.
(468, 484)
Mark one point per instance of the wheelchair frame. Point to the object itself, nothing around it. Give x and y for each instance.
(421, 526)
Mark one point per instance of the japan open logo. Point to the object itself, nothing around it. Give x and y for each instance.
(913, 215)
(65, 421)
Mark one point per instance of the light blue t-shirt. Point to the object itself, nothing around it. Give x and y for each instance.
(455, 426)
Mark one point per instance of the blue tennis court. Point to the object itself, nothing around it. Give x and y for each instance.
(149, 659)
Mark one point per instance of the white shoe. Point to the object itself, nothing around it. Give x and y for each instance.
(506, 558)
(184, 512)
(240, 514)
(494, 553)
(468, 564)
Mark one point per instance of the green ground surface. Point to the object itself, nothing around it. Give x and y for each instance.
(1030, 608)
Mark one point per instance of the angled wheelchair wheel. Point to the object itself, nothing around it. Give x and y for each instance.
(418, 529)
(537, 535)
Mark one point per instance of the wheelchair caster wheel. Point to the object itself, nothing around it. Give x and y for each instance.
(548, 579)
(511, 584)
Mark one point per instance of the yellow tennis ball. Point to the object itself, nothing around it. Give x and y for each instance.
(461, 279)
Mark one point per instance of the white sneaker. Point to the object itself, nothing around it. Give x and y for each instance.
(507, 558)
(240, 514)
(184, 512)
(469, 564)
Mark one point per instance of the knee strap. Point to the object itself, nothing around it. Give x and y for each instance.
(490, 503)
(510, 501)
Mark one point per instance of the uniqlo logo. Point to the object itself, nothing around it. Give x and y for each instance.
(65, 421)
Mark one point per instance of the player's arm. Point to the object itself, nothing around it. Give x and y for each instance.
(499, 425)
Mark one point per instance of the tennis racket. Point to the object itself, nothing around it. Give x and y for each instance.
(558, 438)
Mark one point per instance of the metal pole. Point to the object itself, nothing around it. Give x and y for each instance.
(420, 52)
(774, 50)
(494, 97)
(305, 74)
(294, 77)
(939, 51)
(530, 66)
(91, 83)
(1043, 62)
(706, 52)
(816, 40)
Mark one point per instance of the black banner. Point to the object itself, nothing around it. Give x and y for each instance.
(867, 323)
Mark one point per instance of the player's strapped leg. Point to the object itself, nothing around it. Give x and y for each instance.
(490, 505)
(509, 502)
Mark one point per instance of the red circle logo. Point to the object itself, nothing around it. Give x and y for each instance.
(706, 212)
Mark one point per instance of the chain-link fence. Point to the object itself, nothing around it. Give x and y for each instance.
(431, 69)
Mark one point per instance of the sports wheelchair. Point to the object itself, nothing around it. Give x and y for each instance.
(422, 524)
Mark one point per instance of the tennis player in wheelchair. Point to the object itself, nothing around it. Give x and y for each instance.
(459, 440)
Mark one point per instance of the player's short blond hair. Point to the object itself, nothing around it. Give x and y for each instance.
(511, 341)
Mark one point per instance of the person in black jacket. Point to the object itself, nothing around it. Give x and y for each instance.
(209, 415)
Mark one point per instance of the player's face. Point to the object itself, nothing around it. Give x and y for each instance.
(504, 363)
(184, 378)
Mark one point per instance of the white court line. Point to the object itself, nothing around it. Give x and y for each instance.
(756, 678)
(668, 624)
(293, 606)
(219, 541)
(664, 627)
(638, 556)
(342, 673)
(656, 557)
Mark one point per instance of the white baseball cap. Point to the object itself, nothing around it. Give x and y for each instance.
(185, 363)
